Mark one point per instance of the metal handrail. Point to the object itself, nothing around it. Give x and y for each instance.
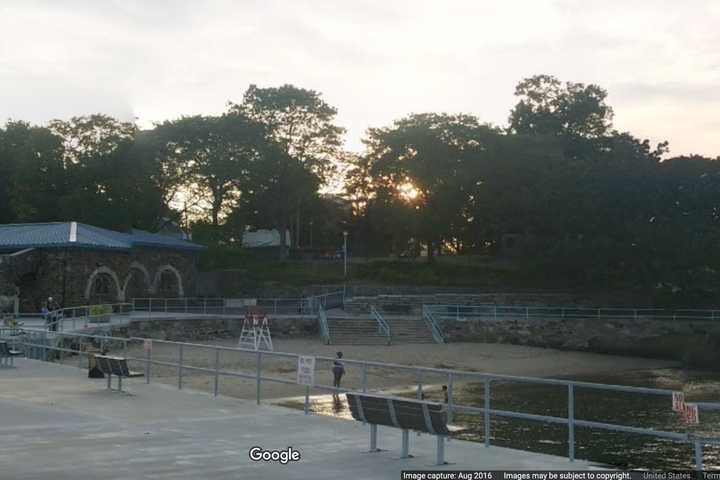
(323, 323)
(383, 326)
(433, 324)
(452, 376)
(460, 312)
(85, 314)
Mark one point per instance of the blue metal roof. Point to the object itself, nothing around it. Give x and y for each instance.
(80, 235)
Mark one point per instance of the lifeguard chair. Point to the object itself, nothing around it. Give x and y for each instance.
(255, 334)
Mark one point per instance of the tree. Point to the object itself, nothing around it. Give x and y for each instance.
(212, 157)
(305, 141)
(107, 185)
(32, 176)
(426, 162)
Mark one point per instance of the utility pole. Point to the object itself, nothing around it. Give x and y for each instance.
(345, 235)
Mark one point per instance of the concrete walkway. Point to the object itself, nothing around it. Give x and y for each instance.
(56, 423)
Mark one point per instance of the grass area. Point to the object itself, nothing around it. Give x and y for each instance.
(262, 269)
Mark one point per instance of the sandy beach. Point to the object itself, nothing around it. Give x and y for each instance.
(470, 357)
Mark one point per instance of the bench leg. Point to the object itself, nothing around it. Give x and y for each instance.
(405, 444)
(119, 383)
(440, 460)
(373, 438)
(109, 377)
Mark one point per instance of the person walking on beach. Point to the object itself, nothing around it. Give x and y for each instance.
(338, 370)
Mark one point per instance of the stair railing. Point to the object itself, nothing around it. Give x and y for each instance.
(323, 323)
(383, 326)
(433, 324)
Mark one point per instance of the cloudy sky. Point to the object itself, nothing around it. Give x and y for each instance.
(375, 60)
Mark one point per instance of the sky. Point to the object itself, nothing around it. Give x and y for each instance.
(374, 60)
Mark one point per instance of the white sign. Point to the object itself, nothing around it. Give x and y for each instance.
(306, 371)
(678, 401)
(147, 346)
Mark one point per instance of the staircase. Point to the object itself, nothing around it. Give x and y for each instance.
(364, 331)
(409, 330)
(355, 331)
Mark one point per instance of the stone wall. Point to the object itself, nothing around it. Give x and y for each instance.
(697, 342)
(189, 330)
(67, 275)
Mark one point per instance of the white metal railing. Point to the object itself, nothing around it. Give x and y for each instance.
(461, 312)
(74, 318)
(35, 342)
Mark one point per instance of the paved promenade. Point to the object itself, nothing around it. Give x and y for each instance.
(56, 423)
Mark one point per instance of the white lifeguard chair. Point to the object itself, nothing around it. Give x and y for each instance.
(255, 334)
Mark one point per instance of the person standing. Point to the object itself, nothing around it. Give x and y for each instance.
(338, 370)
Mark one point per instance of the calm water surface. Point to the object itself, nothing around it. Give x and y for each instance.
(618, 449)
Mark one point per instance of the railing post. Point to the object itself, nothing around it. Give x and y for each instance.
(495, 312)
(364, 377)
(307, 399)
(257, 376)
(487, 412)
(698, 456)
(457, 313)
(148, 358)
(216, 385)
(205, 305)
(180, 365)
(450, 398)
(571, 422)
(420, 387)
(186, 305)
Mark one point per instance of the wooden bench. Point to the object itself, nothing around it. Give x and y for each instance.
(117, 366)
(7, 355)
(405, 414)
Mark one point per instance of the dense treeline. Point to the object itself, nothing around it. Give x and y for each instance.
(586, 202)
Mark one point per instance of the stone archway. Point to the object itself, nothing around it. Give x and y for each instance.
(103, 286)
(168, 282)
(137, 282)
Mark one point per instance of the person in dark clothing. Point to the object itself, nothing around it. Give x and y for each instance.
(445, 393)
(338, 370)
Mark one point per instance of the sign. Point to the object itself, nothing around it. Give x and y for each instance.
(691, 414)
(306, 370)
(678, 401)
(147, 346)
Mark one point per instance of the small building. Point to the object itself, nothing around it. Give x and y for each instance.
(80, 264)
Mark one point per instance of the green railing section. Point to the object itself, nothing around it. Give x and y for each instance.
(323, 323)
(383, 326)
(432, 324)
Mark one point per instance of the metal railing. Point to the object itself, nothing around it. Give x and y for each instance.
(383, 327)
(221, 306)
(323, 324)
(30, 340)
(433, 325)
(82, 317)
(463, 312)
(326, 301)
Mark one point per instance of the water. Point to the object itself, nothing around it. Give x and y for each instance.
(622, 450)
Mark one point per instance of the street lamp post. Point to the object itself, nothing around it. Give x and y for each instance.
(345, 234)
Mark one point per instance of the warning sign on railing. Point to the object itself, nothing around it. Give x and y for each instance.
(306, 370)
(678, 400)
(147, 346)
(689, 412)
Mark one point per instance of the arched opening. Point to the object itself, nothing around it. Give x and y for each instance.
(103, 287)
(137, 282)
(168, 282)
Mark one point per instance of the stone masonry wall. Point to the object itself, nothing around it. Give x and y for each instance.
(65, 275)
(190, 330)
(695, 341)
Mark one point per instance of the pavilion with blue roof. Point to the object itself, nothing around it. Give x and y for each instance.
(79, 264)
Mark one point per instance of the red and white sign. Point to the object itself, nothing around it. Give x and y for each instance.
(691, 414)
